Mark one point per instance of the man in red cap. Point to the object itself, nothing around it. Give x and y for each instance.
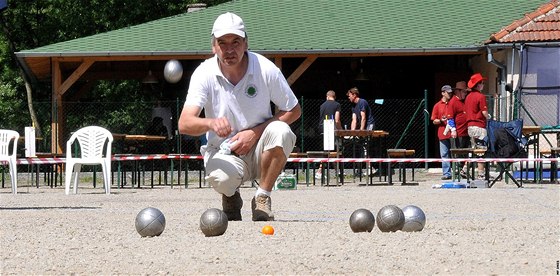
(476, 110)
(457, 118)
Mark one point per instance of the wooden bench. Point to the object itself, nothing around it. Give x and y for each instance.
(298, 155)
(465, 153)
(400, 153)
(551, 153)
(317, 154)
(324, 154)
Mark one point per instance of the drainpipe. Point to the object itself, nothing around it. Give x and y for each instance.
(501, 113)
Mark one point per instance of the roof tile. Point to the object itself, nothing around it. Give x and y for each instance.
(540, 25)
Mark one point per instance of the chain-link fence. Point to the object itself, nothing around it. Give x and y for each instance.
(539, 109)
(403, 119)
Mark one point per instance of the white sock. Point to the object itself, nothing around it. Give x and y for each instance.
(261, 191)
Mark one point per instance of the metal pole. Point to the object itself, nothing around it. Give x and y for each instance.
(177, 136)
(301, 125)
(178, 150)
(426, 124)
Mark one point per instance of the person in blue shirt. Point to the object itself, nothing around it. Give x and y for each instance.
(362, 118)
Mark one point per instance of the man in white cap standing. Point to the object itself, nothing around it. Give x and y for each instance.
(245, 140)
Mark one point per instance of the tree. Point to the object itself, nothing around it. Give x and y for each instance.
(28, 24)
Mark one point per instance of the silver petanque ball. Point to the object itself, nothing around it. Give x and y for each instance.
(390, 218)
(150, 222)
(414, 218)
(213, 222)
(362, 220)
(173, 71)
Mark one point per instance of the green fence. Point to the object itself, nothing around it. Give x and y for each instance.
(393, 115)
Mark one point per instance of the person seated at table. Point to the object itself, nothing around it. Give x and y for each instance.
(166, 116)
(156, 128)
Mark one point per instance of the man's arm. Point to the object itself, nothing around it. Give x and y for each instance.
(484, 108)
(363, 121)
(436, 118)
(337, 122)
(190, 123)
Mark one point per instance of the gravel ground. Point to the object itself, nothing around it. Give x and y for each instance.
(502, 230)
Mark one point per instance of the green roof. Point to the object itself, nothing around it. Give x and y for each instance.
(308, 26)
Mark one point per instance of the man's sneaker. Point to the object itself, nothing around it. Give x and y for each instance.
(446, 177)
(261, 206)
(232, 206)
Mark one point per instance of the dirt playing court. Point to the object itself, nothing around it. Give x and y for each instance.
(502, 230)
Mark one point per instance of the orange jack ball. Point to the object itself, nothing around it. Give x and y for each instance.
(268, 230)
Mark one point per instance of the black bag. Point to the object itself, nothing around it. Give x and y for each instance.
(506, 144)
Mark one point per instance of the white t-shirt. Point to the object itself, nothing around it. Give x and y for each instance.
(246, 104)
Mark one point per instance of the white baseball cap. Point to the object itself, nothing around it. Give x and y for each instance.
(228, 23)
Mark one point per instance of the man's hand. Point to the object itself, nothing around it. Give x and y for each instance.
(454, 134)
(221, 126)
(244, 141)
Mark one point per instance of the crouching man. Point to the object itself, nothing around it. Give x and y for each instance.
(245, 141)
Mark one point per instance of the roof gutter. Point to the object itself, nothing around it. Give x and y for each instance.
(342, 52)
(513, 45)
(501, 66)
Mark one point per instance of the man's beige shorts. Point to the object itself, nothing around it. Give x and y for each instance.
(227, 172)
(476, 133)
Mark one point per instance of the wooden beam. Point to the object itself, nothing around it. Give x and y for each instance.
(301, 69)
(278, 62)
(56, 117)
(74, 76)
(135, 58)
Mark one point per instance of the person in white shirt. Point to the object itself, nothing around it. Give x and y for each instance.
(245, 140)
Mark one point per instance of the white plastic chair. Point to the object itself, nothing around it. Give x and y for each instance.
(95, 149)
(6, 136)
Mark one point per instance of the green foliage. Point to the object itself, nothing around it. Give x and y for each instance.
(14, 111)
(28, 24)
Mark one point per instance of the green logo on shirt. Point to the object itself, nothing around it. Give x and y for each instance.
(251, 92)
